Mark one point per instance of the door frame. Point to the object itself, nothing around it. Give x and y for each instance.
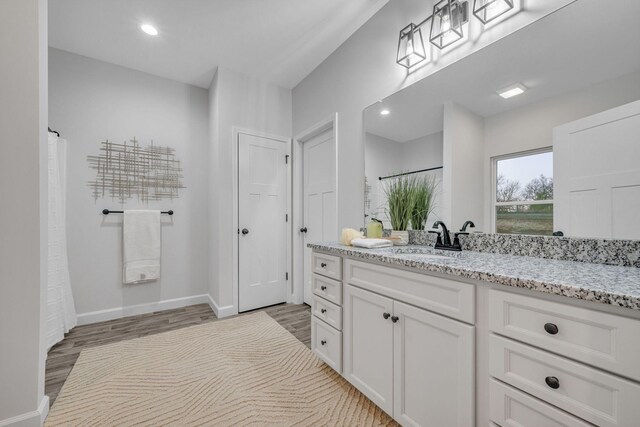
(235, 167)
(330, 122)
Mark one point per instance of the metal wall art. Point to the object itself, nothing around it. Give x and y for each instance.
(128, 170)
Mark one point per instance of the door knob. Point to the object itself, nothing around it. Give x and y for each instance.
(394, 319)
(303, 230)
(386, 315)
(245, 231)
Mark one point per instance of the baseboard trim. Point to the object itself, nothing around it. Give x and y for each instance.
(29, 419)
(220, 312)
(133, 310)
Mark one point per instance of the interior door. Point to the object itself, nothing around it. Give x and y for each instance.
(433, 378)
(597, 175)
(262, 208)
(368, 345)
(319, 187)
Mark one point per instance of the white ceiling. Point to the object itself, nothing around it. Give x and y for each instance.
(573, 48)
(280, 41)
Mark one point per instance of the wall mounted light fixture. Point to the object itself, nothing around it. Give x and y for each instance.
(488, 10)
(410, 46)
(447, 22)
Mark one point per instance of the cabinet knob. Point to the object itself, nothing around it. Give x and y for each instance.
(323, 342)
(323, 264)
(394, 319)
(552, 382)
(323, 310)
(551, 328)
(324, 288)
(386, 315)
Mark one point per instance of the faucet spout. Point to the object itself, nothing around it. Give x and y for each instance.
(446, 238)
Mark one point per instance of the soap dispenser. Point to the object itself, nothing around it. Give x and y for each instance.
(374, 229)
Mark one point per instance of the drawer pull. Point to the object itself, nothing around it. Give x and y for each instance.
(323, 342)
(551, 328)
(552, 382)
(323, 288)
(394, 319)
(386, 315)
(323, 264)
(323, 310)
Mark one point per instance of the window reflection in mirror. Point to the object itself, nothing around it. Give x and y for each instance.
(523, 193)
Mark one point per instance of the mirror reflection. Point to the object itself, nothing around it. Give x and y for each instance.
(530, 135)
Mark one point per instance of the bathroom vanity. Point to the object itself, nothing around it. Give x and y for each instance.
(470, 338)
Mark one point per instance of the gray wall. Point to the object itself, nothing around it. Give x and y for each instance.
(91, 101)
(23, 227)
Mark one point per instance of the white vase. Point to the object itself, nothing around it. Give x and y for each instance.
(400, 238)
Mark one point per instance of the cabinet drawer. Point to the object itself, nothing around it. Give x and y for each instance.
(326, 342)
(327, 265)
(448, 297)
(604, 340)
(596, 396)
(328, 289)
(329, 312)
(510, 407)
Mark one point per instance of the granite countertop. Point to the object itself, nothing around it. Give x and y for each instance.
(606, 284)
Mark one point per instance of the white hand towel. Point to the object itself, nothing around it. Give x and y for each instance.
(371, 243)
(141, 246)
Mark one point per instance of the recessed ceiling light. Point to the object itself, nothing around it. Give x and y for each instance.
(512, 90)
(149, 29)
(384, 112)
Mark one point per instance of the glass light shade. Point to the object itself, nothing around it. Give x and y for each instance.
(410, 47)
(447, 21)
(488, 10)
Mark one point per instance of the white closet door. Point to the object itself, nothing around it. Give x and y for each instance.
(597, 175)
(320, 216)
(262, 206)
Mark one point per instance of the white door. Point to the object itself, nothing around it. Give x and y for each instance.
(319, 187)
(433, 369)
(596, 174)
(262, 206)
(368, 345)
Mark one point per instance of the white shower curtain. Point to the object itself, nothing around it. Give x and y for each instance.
(61, 312)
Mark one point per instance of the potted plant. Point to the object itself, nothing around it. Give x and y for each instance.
(400, 193)
(423, 201)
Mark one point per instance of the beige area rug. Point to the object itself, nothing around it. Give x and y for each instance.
(243, 371)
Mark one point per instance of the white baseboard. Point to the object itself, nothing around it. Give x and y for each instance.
(133, 310)
(30, 419)
(220, 312)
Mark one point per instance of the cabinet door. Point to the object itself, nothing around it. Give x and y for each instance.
(433, 370)
(368, 345)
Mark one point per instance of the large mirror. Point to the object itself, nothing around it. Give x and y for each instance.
(562, 156)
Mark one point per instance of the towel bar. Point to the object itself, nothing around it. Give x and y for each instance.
(107, 212)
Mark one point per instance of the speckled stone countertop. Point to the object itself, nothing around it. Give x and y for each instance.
(606, 284)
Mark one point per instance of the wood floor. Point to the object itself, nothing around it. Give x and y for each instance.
(61, 358)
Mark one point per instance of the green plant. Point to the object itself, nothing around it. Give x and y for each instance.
(424, 195)
(400, 193)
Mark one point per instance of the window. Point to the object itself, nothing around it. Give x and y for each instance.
(523, 193)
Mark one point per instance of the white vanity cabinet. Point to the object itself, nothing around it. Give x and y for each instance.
(431, 350)
(417, 365)
(326, 321)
